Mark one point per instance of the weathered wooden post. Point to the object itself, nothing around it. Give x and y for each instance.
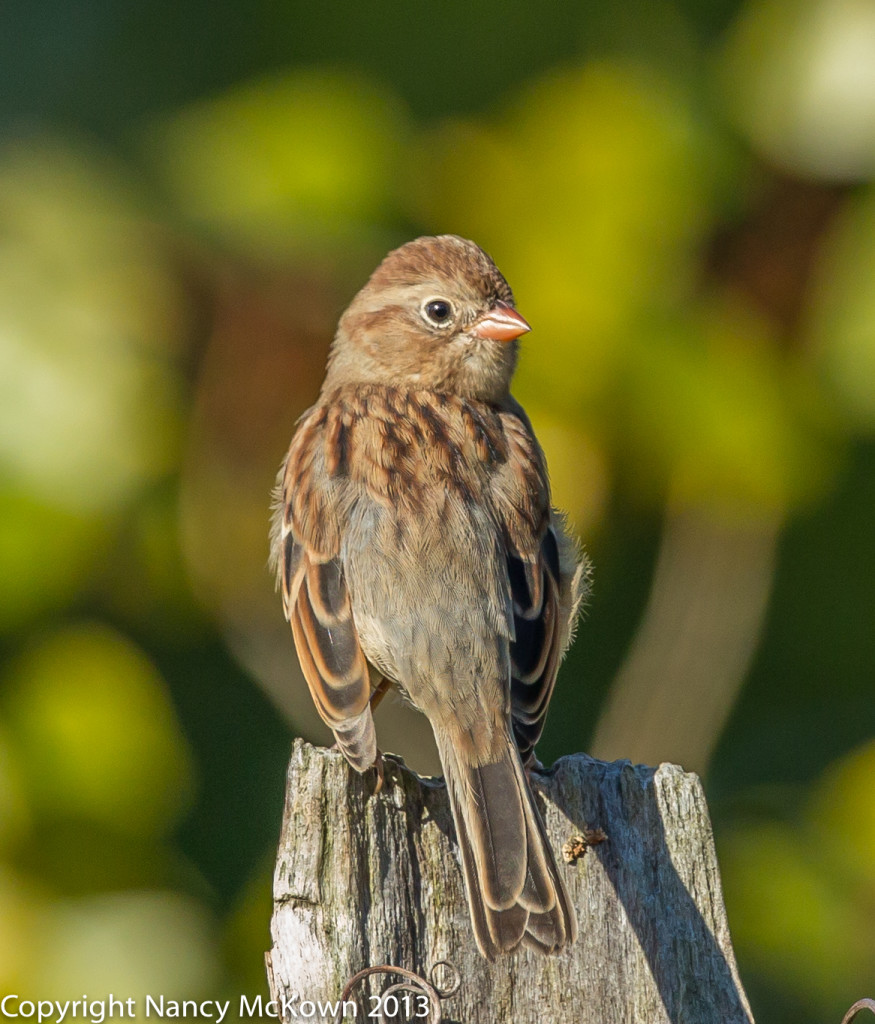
(365, 879)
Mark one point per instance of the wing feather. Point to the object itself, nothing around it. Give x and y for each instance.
(332, 659)
(316, 598)
(536, 649)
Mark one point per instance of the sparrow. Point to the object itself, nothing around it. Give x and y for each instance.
(416, 547)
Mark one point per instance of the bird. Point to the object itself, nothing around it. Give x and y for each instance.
(416, 547)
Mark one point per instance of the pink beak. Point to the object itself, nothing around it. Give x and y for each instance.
(501, 323)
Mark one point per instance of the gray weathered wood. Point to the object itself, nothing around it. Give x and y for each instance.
(364, 879)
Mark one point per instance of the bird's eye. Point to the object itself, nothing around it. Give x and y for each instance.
(438, 311)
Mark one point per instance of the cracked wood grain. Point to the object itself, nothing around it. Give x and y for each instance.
(365, 879)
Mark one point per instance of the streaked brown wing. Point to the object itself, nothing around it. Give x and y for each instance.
(536, 651)
(319, 610)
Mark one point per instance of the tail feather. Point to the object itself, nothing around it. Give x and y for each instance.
(515, 892)
(495, 821)
(551, 925)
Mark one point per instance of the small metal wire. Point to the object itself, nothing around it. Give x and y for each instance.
(861, 1004)
(455, 983)
(412, 983)
(418, 985)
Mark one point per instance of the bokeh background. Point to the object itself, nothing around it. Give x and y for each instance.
(682, 195)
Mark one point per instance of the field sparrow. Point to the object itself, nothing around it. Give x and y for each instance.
(416, 546)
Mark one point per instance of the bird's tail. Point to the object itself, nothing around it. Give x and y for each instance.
(515, 892)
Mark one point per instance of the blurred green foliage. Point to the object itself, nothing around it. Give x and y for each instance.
(683, 198)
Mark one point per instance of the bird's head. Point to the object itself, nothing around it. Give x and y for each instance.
(435, 314)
